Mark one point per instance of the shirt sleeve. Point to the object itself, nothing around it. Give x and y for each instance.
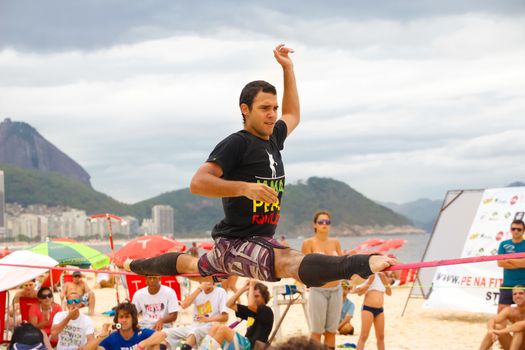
(228, 152)
(145, 333)
(280, 131)
(244, 312)
(500, 249)
(59, 316)
(136, 302)
(173, 301)
(90, 329)
(106, 343)
(222, 301)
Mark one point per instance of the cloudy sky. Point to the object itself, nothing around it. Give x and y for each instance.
(400, 99)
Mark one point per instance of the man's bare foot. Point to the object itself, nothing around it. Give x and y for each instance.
(126, 265)
(381, 262)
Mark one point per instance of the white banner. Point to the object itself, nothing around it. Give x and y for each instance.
(475, 287)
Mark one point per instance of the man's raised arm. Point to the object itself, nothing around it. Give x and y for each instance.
(291, 109)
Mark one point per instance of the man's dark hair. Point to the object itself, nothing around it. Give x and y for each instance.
(263, 290)
(251, 89)
(130, 309)
(518, 222)
(42, 290)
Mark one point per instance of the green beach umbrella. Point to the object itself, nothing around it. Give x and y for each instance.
(72, 253)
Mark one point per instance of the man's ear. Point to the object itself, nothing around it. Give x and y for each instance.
(245, 109)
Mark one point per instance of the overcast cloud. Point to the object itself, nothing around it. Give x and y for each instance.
(400, 99)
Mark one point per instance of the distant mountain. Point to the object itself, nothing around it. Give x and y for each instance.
(23, 146)
(27, 186)
(352, 212)
(348, 207)
(516, 184)
(422, 212)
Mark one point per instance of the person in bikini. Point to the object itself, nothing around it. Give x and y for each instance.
(325, 302)
(246, 170)
(372, 313)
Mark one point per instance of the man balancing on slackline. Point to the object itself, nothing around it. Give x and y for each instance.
(246, 171)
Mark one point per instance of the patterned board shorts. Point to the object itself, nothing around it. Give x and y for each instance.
(249, 257)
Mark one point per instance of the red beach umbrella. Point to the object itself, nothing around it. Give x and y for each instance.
(205, 245)
(371, 242)
(392, 244)
(147, 247)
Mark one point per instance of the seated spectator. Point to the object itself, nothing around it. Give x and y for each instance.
(497, 326)
(158, 304)
(104, 280)
(41, 315)
(259, 315)
(347, 312)
(28, 337)
(73, 328)
(80, 287)
(128, 335)
(210, 306)
(28, 291)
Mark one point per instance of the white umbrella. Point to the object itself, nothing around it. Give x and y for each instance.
(12, 276)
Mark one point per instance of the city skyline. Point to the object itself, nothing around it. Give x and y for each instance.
(399, 100)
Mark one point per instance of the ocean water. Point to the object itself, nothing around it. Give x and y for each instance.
(412, 251)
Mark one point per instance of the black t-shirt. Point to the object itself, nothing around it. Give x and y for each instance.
(245, 157)
(260, 323)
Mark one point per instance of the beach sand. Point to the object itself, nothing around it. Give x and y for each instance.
(419, 328)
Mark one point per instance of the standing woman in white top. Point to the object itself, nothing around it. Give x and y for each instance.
(372, 313)
(325, 302)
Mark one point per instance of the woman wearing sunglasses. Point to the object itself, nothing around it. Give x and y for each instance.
(41, 314)
(325, 303)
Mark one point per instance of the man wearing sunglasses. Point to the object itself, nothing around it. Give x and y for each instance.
(246, 170)
(79, 286)
(513, 269)
(73, 328)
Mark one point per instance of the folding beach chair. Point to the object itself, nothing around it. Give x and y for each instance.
(54, 276)
(4, 316)
(25, 306)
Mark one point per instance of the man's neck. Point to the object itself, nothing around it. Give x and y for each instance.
(517, 240)
(127, 334)
(153, 290)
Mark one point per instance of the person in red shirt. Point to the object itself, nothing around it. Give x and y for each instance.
(41, 315)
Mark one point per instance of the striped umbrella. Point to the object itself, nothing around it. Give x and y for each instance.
(72, 253)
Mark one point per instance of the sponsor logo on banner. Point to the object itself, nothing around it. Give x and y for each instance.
(475, 287)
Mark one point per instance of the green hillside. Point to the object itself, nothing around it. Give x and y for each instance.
(346, 205)
(196, 214)
(26, 186)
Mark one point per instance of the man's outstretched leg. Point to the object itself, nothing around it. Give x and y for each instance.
(315, 270)
(169, 264)
(264, 259)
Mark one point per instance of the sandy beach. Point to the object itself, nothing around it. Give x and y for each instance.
(419, 328)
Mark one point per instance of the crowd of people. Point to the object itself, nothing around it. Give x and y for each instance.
(246, 170)
(150, 319)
